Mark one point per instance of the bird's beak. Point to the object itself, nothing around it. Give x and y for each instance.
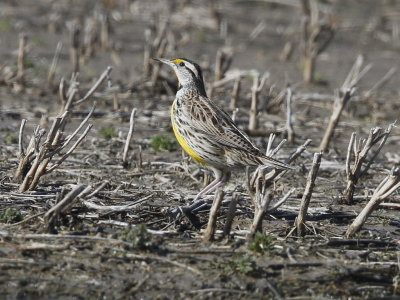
(171, 64)
(165, 61)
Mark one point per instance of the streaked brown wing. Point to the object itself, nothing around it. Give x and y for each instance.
(212, 121)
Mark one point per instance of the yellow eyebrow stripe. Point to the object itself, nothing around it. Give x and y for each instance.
(177, 61)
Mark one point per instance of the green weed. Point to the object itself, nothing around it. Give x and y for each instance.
(10, 139)
(138, 237)
(320, 79)
(108, 132)
(240, 264)
(162, 142)
(261, 243)
(10, 215)
(5, 25)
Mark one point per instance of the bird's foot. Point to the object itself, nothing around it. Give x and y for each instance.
(191, 210)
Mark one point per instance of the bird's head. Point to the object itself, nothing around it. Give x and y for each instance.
(187, 71)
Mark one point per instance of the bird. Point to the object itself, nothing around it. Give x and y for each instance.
(206, 132)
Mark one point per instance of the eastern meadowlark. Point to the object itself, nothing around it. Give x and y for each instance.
(206, 132)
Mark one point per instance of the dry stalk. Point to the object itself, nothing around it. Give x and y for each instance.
(21, 56)
(64, 205)
(103, 76)
(33, 163)
(90, 37)
(343, 96)
(258, 184)
(286, 52)
(125, 162)
(259, 195)
(317, 34)
(161, 28)
(230, 214)
(212, 221)
(67, 98)
(105, 29)
(54, 24)
(258, 84)
(381, 82)
(219, 60)
(235, 94)
(74, 50)
(155, 49)
(68, 153)
(289, 125)
(157, 68)
(305, 201)
(98, 189)
(24, 157)
(261, 26)
(271, 152)
(20, 137)
(231, 76)
(223, 28)
(276, 100)
(139, 158)
(262, 202)
(109, 209)
(275, 174)
(40, 163)
(305, 7)
(52, 70)
(384, 190)
(223, 62)
(281, 201)
(360, 152)
(147, 53)
(260, 211)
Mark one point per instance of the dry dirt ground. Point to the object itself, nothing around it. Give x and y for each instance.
(96, 247)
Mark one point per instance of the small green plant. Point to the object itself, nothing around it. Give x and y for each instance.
(199, 35)
(9, 138)
(28, 63)
(36, 40)
(261, 243)
(241, 264)
(5, 25)
(137, 236)
(162, 142)
(108, 132)
(10, 215)
(320, 79)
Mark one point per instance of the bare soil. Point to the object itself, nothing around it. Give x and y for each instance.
(97, 249)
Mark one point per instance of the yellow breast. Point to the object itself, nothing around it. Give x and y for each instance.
(182, 141)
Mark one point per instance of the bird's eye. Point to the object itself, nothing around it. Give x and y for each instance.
(182, 64)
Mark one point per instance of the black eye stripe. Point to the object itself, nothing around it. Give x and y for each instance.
(191, 72)
(182, 64)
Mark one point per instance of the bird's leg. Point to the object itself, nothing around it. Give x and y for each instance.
(200, 203)
(197, 202)
(209, 188)
(220, 179)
